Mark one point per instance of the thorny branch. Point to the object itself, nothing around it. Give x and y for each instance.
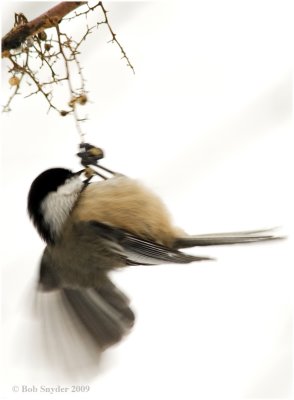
(34, 56)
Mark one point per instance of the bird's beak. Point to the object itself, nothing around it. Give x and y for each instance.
(86, 181)
(79, 172)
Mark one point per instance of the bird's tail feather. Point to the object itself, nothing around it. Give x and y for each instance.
(228, 238)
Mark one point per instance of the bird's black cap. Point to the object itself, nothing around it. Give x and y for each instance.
(48, 181)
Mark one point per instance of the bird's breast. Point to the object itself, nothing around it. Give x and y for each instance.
(126, 204)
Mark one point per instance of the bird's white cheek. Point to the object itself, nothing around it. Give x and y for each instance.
(73, 187)
(56, 208)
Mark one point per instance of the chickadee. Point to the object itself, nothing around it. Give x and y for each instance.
(93, 228)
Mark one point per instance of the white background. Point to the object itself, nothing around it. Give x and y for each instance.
(205, 122)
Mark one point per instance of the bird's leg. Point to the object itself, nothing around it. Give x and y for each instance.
(106, 169)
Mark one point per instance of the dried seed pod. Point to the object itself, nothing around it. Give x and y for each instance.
(42, 35)
(47, 46)
(95, 151)
(63, 113)
(82, 99)
(14, 81)
(5, 53)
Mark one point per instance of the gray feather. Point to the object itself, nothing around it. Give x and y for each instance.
(229, 238)
(106, 324)
(141, 251)
(101, 312)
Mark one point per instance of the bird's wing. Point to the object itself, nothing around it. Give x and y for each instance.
(215, 239)
(102, 308)
(141, 251)
(104, 312)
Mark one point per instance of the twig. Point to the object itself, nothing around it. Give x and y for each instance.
(114, 39)
(70, 85)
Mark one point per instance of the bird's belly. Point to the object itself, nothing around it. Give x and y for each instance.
(126, 204)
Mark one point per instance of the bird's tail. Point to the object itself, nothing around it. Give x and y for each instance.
(228, 238)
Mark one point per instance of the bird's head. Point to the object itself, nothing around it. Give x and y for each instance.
(51, 199)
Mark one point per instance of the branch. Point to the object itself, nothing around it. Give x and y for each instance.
(17, 35)
(45, 62)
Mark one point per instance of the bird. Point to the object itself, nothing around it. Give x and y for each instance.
(93, 228)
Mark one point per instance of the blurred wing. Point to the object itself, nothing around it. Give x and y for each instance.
(80, 322)
(104, 313)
